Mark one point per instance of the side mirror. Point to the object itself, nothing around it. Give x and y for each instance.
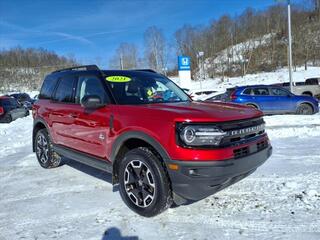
(92, 102)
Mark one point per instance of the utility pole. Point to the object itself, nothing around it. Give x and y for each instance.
(290, 46)
(121, 62)
(200, 56)
(289, 43)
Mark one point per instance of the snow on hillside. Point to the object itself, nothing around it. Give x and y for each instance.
(236, 52)
(278, 76)
(234, 56)
(281, 200)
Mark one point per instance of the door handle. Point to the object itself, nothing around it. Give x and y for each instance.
(73, 115)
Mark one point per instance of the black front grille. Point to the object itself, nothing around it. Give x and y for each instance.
(242, 131)
(239, 124)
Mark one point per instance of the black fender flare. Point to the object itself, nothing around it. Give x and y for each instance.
(138, 135)
(35, 123)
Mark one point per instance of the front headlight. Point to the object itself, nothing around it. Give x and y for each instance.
(200, 135)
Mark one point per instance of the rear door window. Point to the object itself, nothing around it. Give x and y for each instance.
(65, 89)
(248, 91)
(261, 91)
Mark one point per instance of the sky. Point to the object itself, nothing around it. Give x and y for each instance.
(91, 30)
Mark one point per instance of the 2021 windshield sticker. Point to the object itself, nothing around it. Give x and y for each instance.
(118, 79)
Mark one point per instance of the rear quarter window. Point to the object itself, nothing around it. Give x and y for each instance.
(48, 87)
(64, 91)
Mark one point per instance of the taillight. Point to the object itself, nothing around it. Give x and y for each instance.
(233, 95)
(1, 111)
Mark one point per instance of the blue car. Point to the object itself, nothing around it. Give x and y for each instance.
(272, 100)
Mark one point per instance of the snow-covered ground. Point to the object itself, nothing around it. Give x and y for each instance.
(281, 200)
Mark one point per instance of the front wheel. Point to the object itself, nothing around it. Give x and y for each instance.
(47, 158)
(144, 184)
(304, 109)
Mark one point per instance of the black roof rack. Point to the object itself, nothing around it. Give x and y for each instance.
(84, 67)
(145, 70)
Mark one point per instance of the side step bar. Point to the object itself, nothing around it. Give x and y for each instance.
(86, 159)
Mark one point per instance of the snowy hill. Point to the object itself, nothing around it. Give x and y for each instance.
(278, 76)
(236, 54)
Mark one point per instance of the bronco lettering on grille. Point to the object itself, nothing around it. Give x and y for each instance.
(246, 130)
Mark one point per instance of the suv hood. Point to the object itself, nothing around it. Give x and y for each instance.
(204, 112)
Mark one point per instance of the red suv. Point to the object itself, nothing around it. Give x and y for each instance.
(160, 146)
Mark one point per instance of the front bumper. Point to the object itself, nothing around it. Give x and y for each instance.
(196, 180)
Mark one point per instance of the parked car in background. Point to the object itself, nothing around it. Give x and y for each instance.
(217, 97)
(310, 87)
(10, 109)
(203, 94)
(213, 97)
(272, 99)
(24, 99)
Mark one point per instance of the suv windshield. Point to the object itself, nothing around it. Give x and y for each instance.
(145, 89)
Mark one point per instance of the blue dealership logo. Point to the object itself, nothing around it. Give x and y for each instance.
(184, 63)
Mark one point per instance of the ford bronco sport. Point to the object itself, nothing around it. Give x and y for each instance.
(159, 145)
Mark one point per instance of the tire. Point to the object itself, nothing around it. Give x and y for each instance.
(8, 118)
(143, 183)
(47, 158)
(304, 109)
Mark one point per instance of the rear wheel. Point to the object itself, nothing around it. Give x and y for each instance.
(144, 184)
(47, 158)
(304, 109)
(8, 118)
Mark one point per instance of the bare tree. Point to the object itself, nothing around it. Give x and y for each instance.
(155, 49)
(126, 57)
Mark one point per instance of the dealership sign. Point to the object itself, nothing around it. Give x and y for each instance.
(184, 63)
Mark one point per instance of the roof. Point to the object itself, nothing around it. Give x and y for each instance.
(258, 85)
(86, 68)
